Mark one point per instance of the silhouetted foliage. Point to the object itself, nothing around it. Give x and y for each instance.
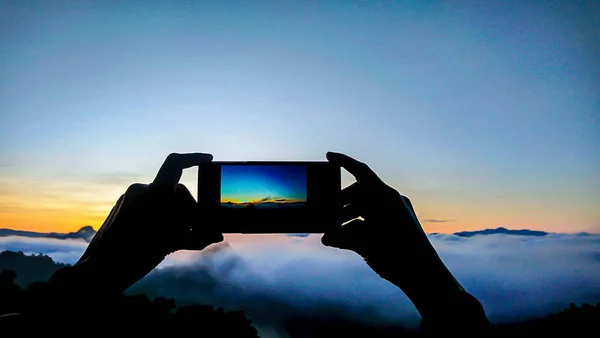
(28, 268)
(10, 293)
(318, 327)
(137, 311)
(573, 321)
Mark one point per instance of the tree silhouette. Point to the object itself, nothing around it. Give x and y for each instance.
(29, 268)
(136, 311)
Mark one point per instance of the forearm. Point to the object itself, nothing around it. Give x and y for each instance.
(440, 299)
(443, 303)
(456, 313)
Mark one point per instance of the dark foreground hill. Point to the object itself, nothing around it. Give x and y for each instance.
(29, 268)
(573, 321)
(136, 312)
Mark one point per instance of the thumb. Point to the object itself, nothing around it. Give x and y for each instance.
(195, 233)
(191, 231)
(347, 236)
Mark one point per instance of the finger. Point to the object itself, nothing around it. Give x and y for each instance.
(186, 215)
(170, 172)
(358, 169)
(345, 236)
(350, 193)
(105, 226)
(113, 213)
(132, 192)
(186, 207)
(184, 195)
(350, 212)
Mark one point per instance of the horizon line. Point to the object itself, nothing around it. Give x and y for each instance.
(281, 201)
(428, 233)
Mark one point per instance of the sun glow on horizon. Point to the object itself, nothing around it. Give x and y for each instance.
(262, 200)
(66, 206)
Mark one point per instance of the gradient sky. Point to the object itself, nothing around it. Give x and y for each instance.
(484, 115)
(252, 183)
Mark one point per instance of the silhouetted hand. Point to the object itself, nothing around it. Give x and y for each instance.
(391, 240)
(389, 226)
(148, 222)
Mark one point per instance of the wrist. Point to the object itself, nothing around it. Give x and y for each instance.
(423, 277)
(442, 301)
(433, 292)
(457, 312)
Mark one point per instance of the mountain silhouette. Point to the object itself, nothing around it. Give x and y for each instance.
(501, 230)
(85, 233)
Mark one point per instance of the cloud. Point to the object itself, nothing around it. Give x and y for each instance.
(435, 220)
(118, 178)
(274, 278)
(60, 250)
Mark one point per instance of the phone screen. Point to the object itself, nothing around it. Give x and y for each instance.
(270, 197)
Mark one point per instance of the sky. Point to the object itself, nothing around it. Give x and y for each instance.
(483, 114)
(253, 183)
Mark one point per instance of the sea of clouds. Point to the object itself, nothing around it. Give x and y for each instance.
(275, 277)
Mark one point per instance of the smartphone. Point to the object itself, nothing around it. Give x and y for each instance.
(270, 197)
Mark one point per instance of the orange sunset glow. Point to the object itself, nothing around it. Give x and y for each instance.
(67, 206)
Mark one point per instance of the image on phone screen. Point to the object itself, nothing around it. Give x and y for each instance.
(263, 186)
